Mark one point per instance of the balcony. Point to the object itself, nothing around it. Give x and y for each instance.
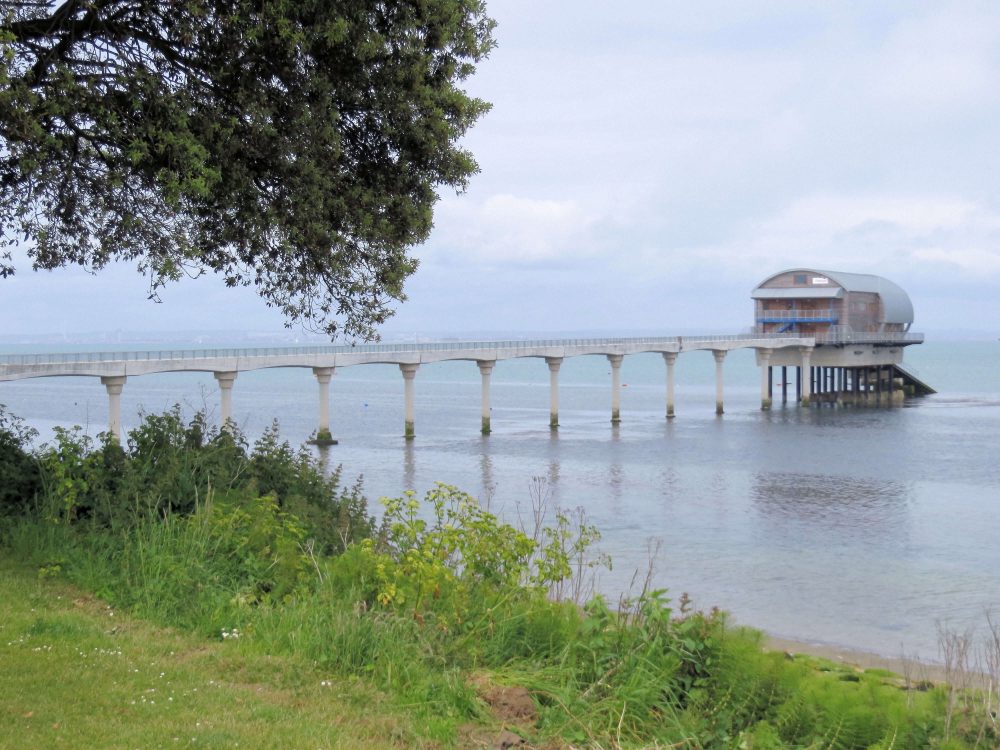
(798, 316)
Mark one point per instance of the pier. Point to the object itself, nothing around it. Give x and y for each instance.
(872, 361)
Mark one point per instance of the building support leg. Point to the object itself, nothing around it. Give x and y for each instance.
(616, 386)
(554, 364)
(720, 356)
(323, 377)
(485, 369)
(784, 384)
(114, 384)
(671, 359)
(765, 378)
(225, 380)
(409, 373)
(806, 354)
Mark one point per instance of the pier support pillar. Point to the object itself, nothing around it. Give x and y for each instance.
(671, 359)
(323, 435)
(225, 380)
(485, 369)
(553, 363)
(720, 356)
(784, 384)
(806, 379)
(409, 373)
(616, 386)
(114, 384)
(765, 378)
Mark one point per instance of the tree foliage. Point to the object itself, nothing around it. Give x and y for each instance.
(295, 146)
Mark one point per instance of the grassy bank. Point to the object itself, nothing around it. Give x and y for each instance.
(253, 591)
(75, 672)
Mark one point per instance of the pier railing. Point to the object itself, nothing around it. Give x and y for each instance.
(457, 346)
(393, 348)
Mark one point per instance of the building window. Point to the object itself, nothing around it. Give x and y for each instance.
(800, 278)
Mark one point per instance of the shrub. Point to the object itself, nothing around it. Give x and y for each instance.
(18, 468)
(169, 467)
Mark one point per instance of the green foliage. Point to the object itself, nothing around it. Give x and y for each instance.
(169, 467)
(21, 480)
(307, 168)
(443, 591)
(461, 547)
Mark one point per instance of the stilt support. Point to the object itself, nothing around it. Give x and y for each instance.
(225, 380)
(806, 352)
(764, 355)
(323, 435)
(114, 384)
(720, 356)
(485, 370)
(671, 359)
(616, 386)
(554, 364)
(409, 373)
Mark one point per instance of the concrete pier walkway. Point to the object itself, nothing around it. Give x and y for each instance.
(115, 368)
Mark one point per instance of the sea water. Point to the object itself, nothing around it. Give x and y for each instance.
(868, 528)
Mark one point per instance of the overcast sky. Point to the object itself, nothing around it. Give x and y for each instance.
(646, 163)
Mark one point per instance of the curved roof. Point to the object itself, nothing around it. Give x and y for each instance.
(895, 302)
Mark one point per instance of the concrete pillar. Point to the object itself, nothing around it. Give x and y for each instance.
(485, 369)
(670, 358)
(114, 385)
(616, 386)
(720, 356)
(765, 378)
(784, 384)
(806, 393)
(409, 372)
(225, 380)
(553, 363)
(323, 436)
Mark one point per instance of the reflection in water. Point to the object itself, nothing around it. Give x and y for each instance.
(858, 505)
(486, 466)
(616, 481)
(323, 458)
(554, 465)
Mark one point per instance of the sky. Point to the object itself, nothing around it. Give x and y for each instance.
(647, 163)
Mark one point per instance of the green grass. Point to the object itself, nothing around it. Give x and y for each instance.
(76, 673)
(355, 636)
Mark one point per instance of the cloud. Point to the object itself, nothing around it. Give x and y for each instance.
(512, 230)
(945, 60)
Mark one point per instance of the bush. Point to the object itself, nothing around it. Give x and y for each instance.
(21, 478)
(168, 467)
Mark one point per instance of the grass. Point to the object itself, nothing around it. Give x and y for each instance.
(228, 598)
(76, 673)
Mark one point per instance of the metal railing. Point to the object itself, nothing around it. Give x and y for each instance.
(437, 346)
(782, 315)
(395, 348)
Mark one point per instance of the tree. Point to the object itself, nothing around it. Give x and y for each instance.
(291, 145)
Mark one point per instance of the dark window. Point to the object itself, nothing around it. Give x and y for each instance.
(800, 278)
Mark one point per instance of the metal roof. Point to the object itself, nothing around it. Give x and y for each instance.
(895, 302)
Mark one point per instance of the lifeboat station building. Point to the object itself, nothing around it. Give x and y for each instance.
(861, 325)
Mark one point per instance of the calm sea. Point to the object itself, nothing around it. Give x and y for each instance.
(862, 528)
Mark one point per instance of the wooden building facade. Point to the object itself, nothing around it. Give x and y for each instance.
(809, 302)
